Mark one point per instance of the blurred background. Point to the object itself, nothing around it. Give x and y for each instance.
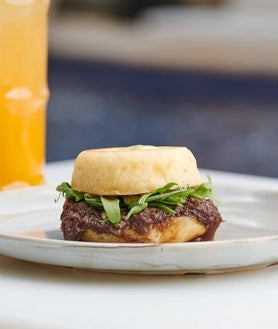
(199, 73)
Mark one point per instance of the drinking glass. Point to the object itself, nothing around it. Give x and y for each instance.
(23, 91)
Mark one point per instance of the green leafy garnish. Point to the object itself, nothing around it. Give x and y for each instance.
(167, 197)
(112, 209)
(93, 200)
(68, 193)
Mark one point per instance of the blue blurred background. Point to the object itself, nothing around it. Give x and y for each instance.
(203, 74)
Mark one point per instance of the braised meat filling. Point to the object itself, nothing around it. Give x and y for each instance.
(77, 217)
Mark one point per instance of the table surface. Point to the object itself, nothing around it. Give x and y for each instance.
(44, 296)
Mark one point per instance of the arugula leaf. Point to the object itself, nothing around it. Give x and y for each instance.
(68, 193)
(163, 207)
(93, 200)
(136, 209)
(112, 209)
(165, 197)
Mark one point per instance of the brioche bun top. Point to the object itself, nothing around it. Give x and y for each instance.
(133, 170)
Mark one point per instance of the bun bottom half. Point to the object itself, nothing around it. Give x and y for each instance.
(176, 229)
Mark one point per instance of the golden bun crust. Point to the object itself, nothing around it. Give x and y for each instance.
(133, 170)
(172, 230)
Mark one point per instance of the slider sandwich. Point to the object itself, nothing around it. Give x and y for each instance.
(143, 194)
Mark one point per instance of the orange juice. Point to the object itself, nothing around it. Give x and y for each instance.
(23, 91)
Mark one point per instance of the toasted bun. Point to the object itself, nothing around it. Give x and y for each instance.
(133, 170)
(174, 229)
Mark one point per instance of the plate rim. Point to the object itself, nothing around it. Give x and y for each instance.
(117, 245)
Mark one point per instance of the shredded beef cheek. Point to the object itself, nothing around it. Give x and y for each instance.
(206, 212)
(77, 217)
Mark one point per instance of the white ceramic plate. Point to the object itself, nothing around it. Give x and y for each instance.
(29, 230)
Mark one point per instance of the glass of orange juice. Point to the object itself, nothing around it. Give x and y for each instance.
(23, 91)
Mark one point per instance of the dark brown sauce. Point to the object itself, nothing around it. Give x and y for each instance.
(77, 217)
